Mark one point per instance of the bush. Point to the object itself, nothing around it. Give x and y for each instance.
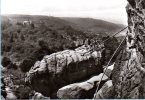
(5, 61)
(18, 48)
(36, 55)
(32, 26)
(27, 64)
(22, 37)
(23, 92)
(19, 23)
(6, 47)
(11, 38)
(42, 44)
(12, 66)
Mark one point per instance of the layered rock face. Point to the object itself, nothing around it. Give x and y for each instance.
(62, 68)
(80, 90)
(87, 88)
(129, 72)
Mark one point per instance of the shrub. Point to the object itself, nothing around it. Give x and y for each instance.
(5, 61)
(19, 23)
(32, 26)
(42, 44)
(6, 47)
(22, 37)
(30, 32)
(12, 66)
(18, 48)
(27, 64)
(22, 92)
(11, 38)
(18, 31)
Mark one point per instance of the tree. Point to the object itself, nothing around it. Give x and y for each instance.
(22, 37)
(12, 66)
(42, 44)
(5, 61)
(22, 92)
(27, 64)
(32, 26)
(11, 38)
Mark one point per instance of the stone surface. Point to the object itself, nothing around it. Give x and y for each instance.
(128, 75)
(108, 71)
(79, 90)
(106, 92)
(10, 94)
(63, 68)
(39, 96)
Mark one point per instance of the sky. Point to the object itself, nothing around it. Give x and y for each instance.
(109, 10)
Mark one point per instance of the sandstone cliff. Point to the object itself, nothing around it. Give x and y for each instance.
(129, 74)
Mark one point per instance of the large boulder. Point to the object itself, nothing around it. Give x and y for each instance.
(83, 89)
(63, 68)
(80, 90)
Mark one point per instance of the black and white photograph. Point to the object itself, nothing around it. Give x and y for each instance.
(72, 49)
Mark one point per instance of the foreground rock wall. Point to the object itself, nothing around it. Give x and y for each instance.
(129, 74)
(62, 68)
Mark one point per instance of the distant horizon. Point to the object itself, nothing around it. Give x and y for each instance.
(62, 17)
(108, 10)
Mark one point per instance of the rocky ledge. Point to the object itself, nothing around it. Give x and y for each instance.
(62, 68)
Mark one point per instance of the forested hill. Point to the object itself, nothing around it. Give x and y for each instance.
(47, 35)
(90, 25)
(19, 41)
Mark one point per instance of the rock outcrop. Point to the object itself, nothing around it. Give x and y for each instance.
(87, 88)
(63, 68)
(6, 92)
(80, 90)
(128, 76)
(39, 96)
(106, 92)
(10, 94)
